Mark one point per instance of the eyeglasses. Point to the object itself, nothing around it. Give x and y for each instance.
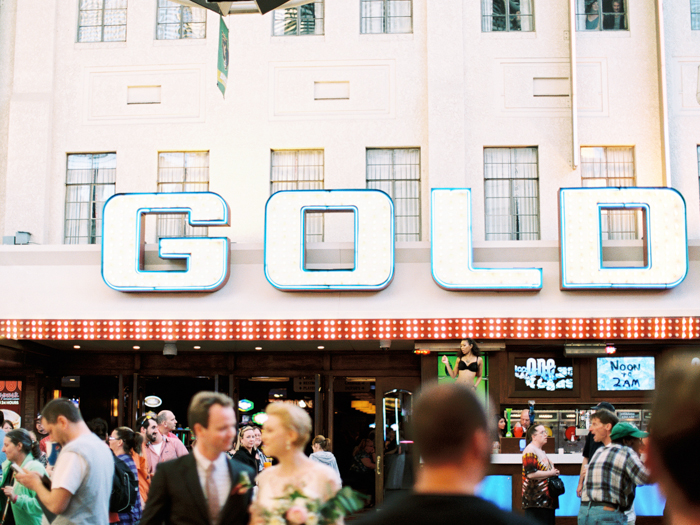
(112, 438)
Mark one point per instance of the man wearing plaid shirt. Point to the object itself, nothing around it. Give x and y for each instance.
(613, 473)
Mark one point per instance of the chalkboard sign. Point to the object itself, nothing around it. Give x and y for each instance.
(626, 373)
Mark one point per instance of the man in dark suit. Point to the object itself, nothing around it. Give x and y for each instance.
(205, 487)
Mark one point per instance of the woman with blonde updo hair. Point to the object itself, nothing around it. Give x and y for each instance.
(285, 433)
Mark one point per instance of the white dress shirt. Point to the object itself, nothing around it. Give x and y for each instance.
(222, 476)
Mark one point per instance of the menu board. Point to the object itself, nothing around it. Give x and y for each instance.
(626, 373)
(543, 374)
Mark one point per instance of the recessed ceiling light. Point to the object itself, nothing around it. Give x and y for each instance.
(76, 347)
(137, 348)
(321, 347)
(258, 347)
(197, 347)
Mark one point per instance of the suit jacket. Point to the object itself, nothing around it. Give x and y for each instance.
(176, 496)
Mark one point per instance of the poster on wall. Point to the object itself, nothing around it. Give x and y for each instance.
(626, 373)
(444, 377)
(10, 399)
(543, 374)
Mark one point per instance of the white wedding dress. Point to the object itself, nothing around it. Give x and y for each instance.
(314, 481)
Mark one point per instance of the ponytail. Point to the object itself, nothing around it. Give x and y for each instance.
(323, 442)
(22, 437)
(130, 439)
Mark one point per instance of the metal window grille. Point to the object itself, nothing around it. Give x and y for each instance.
(181, 172)
(102, 21)
(177, 22)
(601, 15)
(507, 15)
(397, 173)
(300, 170)
(611, 167)
(695, 15)
(90, 181)
(302, 20)
(511, 189)
(386, 16)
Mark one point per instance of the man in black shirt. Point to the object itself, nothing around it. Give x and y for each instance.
(451, 433)
(589, 448)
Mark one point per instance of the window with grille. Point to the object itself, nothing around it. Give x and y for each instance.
(180, 171)
(386, 16)
(511, 194)
(507, 15)
(300, 170)
(90, 181)
(601, 15)
(102, 21)
(397, 173)
(177, 22)
(302, 20)
(611, 167)
(695, 15)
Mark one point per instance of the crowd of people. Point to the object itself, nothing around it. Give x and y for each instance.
(147, 476)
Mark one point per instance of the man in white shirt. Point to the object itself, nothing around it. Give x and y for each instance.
(82, 478)
(205, 487)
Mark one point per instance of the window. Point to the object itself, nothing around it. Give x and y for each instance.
(176, 22)
(300, 170)
(102, 21)
(506, 15)
(589, 14)
(303, 20)
(611, 167)
(179, 172)
(90, 181)
(511, 189)
(386, 16)
(397, 173)
(695, 15)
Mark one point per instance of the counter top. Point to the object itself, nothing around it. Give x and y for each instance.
(556, 459)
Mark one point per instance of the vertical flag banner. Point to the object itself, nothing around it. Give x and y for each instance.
(222, 67)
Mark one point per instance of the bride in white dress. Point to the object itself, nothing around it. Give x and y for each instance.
(295, 487)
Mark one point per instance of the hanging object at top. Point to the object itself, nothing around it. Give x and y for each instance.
(241, 7)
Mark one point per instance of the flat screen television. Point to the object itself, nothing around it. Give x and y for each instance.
(626, 373)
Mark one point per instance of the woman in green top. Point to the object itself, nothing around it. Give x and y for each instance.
(24, 506)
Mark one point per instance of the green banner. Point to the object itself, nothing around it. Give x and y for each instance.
(222, 68)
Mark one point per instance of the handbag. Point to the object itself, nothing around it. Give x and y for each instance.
(556, 487)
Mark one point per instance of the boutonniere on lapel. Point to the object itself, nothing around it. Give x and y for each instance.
(244, 484)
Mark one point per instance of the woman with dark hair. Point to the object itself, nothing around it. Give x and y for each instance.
(537, 469)
(469, 364)
(24, 506)
(501, 426)
(123, 441)
(593, 15)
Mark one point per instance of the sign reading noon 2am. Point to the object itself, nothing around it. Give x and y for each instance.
(452, 268)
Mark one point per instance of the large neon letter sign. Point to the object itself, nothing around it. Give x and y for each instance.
(374, 240)
(451, 249)
(123, 240)
(665, 239)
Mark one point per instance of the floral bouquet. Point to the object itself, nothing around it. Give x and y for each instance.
(296, 508)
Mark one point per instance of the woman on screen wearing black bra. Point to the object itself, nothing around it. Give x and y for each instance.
(469, 364)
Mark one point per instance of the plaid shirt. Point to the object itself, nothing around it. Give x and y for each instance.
(613, 474)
